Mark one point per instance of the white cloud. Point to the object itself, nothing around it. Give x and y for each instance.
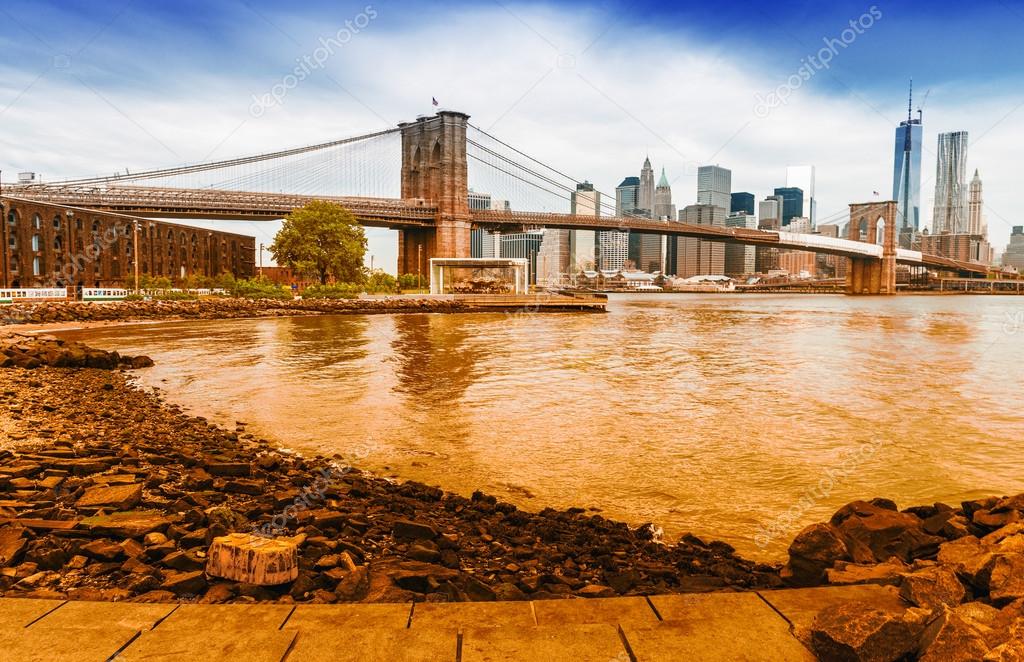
(538, 80)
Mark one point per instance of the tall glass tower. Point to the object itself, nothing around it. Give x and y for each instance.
(906, 176)
(950, 214)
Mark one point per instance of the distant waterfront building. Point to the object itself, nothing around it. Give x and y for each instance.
(479, 200)
(714, 187)
(698, 257)
(950, 214)
(553, 257)
(1013, 256)
(647, 251)
(663, 207)
(961, 247)
(524, 245)
(645, 193)
(906, 177)
(483, 243)
(800, 225)
(769, 218)
(831, 266)
(976, 208)
(798, 263)
(741, 260)
(792, 203)
(802, 177)
(742, 203)
(612, 250)
(627, 196)
(585, 201)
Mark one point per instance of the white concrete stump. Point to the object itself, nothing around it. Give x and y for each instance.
(252, 559)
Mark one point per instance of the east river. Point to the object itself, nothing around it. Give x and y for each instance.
(736, 417)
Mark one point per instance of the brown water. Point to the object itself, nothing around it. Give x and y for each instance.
(735, 417)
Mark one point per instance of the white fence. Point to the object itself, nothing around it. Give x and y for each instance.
(103, 294)
(28, 294)
(32, 294)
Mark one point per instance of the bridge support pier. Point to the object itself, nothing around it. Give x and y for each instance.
(434, 168)
(873, 223)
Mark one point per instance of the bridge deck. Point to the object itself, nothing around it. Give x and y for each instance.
(161, 202)
(767, 625)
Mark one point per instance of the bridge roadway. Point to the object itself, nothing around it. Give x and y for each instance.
(398, 214)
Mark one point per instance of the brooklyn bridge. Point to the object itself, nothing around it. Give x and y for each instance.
(424, 195)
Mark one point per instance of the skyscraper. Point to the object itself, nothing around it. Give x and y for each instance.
(553, 257)
(802, 177)
(627, 196)
(612, 249)
(663, 207)
(770, 209)
(741, 260)
(1013, 256)
(975, 209)
(792, 203)
(714, 187)
(585, 201)
(698, 257)
(906, 177)
(646, 191)
(742, 202)
(950, 215)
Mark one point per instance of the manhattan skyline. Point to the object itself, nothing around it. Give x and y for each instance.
(148, 89)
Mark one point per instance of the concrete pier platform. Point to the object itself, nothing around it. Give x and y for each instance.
(766, 626)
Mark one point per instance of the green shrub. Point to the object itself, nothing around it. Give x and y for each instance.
(336, 291)
(412, 282)
(259, 288)
(379, 282)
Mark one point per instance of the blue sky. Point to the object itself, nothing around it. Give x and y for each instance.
(591, 87)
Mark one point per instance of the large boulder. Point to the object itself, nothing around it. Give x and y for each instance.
(879, 532)
(970, 558)
(814, 550)
(1006, 578)
(952, 638)
(933, 588)
(859, 631)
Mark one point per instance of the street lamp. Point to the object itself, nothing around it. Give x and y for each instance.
(261, 260)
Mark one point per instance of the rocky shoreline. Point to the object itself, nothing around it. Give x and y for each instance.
(112, 494)
(217, 308)
(214, 308)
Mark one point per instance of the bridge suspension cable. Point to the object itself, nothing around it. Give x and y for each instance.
(503, 158)
(300, 166)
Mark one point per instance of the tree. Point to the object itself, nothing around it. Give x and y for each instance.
(322, 240)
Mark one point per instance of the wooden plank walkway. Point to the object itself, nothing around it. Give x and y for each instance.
(766, 626)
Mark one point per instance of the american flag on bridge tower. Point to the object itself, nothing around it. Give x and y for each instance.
(433, 100)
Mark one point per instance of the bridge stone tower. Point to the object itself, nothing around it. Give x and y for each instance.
(872, 275)
(434, 169)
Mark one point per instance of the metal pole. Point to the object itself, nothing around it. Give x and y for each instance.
(3, 233)
(135, 256)
(261, 260)
(419, 266)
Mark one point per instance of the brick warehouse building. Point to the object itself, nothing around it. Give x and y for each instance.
(48, 245)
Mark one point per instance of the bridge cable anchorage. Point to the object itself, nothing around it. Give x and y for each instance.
(218, 165)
